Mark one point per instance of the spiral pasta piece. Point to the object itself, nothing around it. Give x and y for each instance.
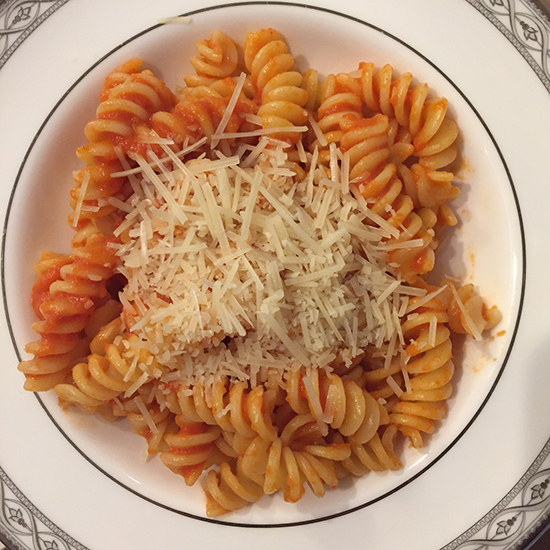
(468, 312)
(430, 369)
(310, 83)
(233, 407)
(216, 63)
(376, 455)
(200, 86)
(218, 56)
(127, 106)
(196, 117)
(62, 320)
(396, 194)
(64, 297)
(433, 132)
(341, 101)
(284, 464)
(366, 142)
(95, 382)
(151, 423)
(278, 87)
(127, 101)
(100, 149)
(104, 325)
(227, 490)
(427, 187)
(383, 191)
(275, 466)
(340, 404)
(118, 372)
(189, 449)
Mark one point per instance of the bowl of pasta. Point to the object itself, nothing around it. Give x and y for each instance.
(284, 269)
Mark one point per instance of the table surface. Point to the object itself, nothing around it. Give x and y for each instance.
(541, 542)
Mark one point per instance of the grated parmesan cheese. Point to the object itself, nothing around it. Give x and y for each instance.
(474, 331)
(425, 299)
(317, 131)
(394, 386)
(146, 415)
(260, 132)
(178, 20)
(81, 195)
(228, 111)
(406, 379)
(234, 268)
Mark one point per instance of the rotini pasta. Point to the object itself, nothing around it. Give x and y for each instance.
(218, 56)
(63, 318)
(196, 117)
(189, 449)
(237, 409)
(282, 97)
(433, 132)
(341, 102)
(249, 284)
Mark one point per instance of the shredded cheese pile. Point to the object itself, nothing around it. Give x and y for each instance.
(234, 267)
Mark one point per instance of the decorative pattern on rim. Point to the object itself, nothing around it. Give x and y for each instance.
(513, 520)
(24, 527)
(18, 19)
(517, 516)
(525, 26)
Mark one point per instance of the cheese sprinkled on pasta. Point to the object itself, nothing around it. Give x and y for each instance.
(231, 269)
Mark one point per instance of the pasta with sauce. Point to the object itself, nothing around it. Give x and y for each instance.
(249, 280)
